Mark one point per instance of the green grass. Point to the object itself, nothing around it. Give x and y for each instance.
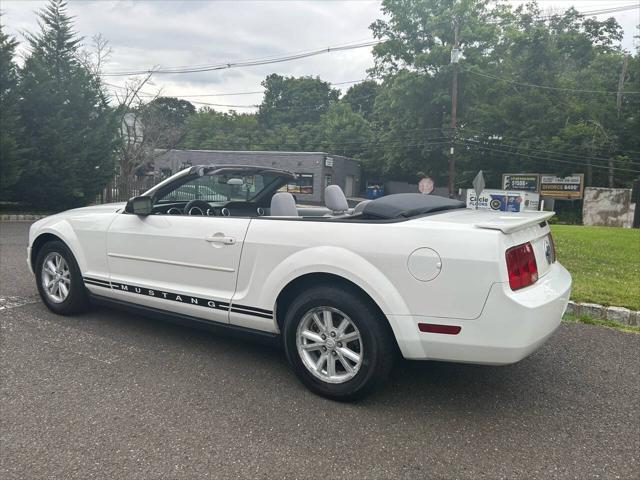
(604, 263)
(603, 323)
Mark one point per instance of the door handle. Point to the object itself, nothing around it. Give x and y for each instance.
(220, 239)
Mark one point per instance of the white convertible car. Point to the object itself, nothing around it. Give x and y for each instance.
(344, 289)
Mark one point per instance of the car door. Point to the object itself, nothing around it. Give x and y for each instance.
(178, 263)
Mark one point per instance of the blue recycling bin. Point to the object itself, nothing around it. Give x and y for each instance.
(374, 191)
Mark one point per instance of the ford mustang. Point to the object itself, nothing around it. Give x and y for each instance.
(343, 289)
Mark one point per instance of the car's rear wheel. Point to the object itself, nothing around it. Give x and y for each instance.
(337, 344)
(59, 279)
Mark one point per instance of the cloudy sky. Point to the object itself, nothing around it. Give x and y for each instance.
(143, 34)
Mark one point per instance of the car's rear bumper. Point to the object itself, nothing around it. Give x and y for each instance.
(511, 326)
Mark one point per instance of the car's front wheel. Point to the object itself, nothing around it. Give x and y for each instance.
(337, 343)
(59, 279)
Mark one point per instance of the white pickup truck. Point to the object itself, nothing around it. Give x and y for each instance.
(343, 289)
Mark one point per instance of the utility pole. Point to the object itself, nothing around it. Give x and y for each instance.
(623, 74)
(455, 57)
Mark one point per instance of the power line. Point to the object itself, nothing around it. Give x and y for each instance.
(546, 87)
(301, 108)
(333, 145)
(306, 54)
(442, 129)
(602, 11)
(226, 105)
(246, 63)
(145, 94)
(508, 144)
(512, 145)
(208, 94)
(557, 160)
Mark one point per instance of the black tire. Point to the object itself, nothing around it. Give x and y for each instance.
(377, 342)
(77, 299)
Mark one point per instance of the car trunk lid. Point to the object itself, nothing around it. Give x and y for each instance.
(518, 228)
(537, 234)
(509, 223)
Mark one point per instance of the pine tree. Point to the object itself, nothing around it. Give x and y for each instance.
(69, 127)
(10, 154)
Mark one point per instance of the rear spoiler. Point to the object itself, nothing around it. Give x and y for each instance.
(516, 221)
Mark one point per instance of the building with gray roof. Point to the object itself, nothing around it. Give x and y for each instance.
(316, 170)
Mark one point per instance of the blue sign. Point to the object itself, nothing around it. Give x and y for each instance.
(505, 203)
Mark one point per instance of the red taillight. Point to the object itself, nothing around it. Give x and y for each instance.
(521, 265)
(435, 328)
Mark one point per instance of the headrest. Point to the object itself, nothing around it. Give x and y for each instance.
(283, 205)
(334, 199)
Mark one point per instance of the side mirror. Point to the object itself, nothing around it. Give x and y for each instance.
(139, 206)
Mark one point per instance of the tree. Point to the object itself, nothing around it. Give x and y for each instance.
(529, 84)
(211, 130)
(409, 118)
(68, 125)
(294, 101)
(170, 113)
(412, 111)
(418, 35)
(10, 152)
(544, 106)
(343, 132)
(147, 129)
(362, 97)
(142, 131)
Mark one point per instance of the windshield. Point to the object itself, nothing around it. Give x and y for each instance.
(221, 188)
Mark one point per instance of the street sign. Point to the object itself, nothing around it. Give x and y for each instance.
(526, 182)
(425, 186)
(478, 183)
(570, 187)
(503, 200)
(478, 186)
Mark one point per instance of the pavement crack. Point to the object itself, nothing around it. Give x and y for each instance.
(9, 302)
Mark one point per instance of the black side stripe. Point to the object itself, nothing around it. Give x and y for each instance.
(254, 314)
(181, 298)
(251, 309)
(96, 281)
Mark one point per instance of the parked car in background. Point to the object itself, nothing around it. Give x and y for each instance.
(343, 289)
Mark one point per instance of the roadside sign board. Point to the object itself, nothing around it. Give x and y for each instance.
(503, 200)
(524, 182)
(478, 183)
(570, 187)
(425, 186)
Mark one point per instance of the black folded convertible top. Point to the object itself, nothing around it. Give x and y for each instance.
(405, 205)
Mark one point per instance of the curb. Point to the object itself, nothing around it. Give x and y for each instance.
(20, 218)
(621, 315)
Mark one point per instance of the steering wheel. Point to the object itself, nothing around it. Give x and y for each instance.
(198, 207)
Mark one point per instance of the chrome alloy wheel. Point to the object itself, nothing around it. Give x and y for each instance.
(329, 344)
(56, 277)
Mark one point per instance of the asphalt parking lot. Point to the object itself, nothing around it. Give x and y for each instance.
(111, 395)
